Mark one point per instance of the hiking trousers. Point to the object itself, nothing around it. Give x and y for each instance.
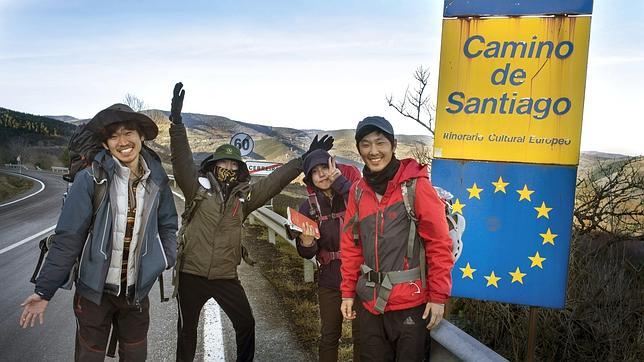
(194, 292)
(331, 325)
(94, 323)
(393, 336)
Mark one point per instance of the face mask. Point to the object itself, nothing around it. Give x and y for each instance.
(225, 175)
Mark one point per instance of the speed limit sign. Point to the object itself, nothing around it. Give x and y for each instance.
(243, 142)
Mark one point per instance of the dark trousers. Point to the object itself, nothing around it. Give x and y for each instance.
(393, 336)
(194, 292)
(94, 323)
(331, 325)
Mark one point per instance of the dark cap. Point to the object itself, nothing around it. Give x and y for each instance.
(119, 112)
(374, 123)
(314, 158)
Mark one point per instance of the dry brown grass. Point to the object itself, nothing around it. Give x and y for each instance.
(13, 185)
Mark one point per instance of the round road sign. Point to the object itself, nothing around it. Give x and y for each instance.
(243, 142)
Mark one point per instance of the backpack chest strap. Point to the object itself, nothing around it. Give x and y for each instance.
(332, 216)
(387, 280)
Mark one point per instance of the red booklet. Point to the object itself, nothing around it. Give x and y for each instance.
(296, 222)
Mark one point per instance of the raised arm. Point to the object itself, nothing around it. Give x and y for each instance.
(183, 166)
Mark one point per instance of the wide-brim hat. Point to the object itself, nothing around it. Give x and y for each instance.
(225, 152)
(123, 113)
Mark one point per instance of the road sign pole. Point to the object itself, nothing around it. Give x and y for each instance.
(532, 334)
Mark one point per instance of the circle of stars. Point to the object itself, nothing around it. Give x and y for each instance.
(525, 194)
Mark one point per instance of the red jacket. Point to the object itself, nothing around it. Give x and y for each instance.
(383, 230)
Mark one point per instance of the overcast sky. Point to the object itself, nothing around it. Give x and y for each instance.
(301, 64)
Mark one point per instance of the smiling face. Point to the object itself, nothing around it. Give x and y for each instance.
(320, 177)
(125, 144)
(376, 150)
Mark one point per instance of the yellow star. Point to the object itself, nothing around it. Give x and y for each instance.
(500, 185)
(549, 237)
(474, 191)
(517, 276)
(457, 207)
(536, 260)
(492, 279)
(543, 210)
(525, 193)
(468, 272)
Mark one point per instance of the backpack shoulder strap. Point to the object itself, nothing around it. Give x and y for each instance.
(408, 189)
(100, 189)
(354, 222)
(190, 210)
(314, 206)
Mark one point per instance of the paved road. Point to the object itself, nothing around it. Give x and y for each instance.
(54, 341)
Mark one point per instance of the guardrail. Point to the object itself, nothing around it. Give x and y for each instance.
(275, 223)
(449, 343)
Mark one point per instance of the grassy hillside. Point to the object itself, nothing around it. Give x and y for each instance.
(38, 140)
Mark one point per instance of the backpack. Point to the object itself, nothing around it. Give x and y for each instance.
(455, 222)
(83, 147)
(388, 279)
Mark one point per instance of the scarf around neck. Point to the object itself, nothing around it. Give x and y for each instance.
(378, 180)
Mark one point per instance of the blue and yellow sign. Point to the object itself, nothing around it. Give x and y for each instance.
(517, 238)
(512, 89)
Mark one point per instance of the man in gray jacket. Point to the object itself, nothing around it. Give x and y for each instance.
(122, 248)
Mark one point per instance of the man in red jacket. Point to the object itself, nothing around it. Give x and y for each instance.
(388, 246)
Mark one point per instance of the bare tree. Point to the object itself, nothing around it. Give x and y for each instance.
(134, 102)
(422, 153)
(611, 199)
(416, 104)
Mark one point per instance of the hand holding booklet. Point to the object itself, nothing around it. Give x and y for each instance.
(297, 222)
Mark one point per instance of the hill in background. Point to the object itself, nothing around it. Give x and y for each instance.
(42, 139)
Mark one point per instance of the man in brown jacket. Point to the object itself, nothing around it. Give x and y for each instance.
(218, 199)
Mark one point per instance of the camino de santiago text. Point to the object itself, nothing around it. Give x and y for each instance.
(477, 46)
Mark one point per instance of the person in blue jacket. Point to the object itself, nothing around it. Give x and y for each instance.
(130, 242)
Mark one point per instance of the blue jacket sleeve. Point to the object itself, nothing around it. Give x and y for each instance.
(69, 237)
(168, 224)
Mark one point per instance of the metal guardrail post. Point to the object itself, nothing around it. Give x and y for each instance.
(271, 236)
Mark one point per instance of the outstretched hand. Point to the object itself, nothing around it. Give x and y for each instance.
(34, 309)
(177, 103)
(324, 143)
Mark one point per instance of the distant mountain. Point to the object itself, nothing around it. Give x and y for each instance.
(33, 128)
(207, 132)
(66, 119)
(279, 144)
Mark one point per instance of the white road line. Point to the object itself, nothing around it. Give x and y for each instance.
(28, 239)
(213, 334)
(42, 187)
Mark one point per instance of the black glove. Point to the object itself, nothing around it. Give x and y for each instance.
(177, 103)
(324, 143)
